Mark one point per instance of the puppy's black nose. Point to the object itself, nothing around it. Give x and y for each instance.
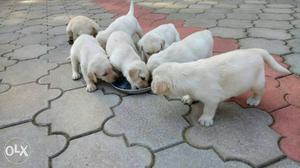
(70, 42)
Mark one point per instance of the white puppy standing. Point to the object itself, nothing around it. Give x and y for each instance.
(81, 25)
(216, 79)
(194, 47)
(127, 23)
(93, 62)
(157, 40)
(123, 56)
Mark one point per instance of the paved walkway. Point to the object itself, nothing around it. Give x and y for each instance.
(64, 126)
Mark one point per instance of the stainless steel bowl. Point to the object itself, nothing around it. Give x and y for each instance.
(123, 85)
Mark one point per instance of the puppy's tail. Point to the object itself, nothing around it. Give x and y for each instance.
(271, 61)
(131, 9)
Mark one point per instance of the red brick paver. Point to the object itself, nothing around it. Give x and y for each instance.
(282, 95)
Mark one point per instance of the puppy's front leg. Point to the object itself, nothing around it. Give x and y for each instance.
(75, 68)
(208, 114)
(90, 86)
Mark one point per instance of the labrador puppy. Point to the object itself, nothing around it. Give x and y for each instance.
(123, 56)
(216, 79)
(93, 62)
(194, 47)
(81, 25)
(127, 23)
(157, 40)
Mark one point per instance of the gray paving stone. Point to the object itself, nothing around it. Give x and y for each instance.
(203, 23)
(218, 10)
(272, 24)
(274, 16)
(61, 78)
(5, 48)
(58, 55)
(166, 11)
(102, 151)
(58, 41)
(200, 6)
(274, 5)
(58, 19)
(296, 23)
(4, 62)
(251, 6)
(297, 15)
(30, 51)
(277, 10)
(189, 10)
(40, 145)
(12, 21)
(9, 29)
(238, 133)
(228, 32)
(78, 111)
(33, 29)
(273, 46)
(4, 87)
(8, 37)
(26, 71)
(139, 123)
(210, 16)
(180, 156)
(32, 22)
(242, 16)
(210, 2)
(181, 16)
(225, 5)
(108, 89)
(57, 30)
(295, 43)
(30, 39)
(234, 23)
(286, 163)
(269, 33)
(295, 32)
(294, 61)
(239, 10)
(21, 102)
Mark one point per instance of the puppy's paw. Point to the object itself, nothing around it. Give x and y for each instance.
(91, 87)
(75, 76)
(253, 101)
(206, 121)
(187, 100)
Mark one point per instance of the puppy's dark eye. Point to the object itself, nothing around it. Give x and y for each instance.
(105, 74)
(143, 78)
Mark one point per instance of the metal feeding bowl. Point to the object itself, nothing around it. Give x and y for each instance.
(124, 86)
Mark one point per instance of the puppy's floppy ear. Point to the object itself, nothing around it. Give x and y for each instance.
(133, 73)
(161, 87)
(92, 76)
(162, 44)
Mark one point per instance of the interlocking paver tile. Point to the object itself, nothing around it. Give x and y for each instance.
(5, 48)
(30, 51)
(139, 123)
(58, 41)
(9, 29)
(204, 23)
(291, 85)
(26, 71)
(286, 163)
(277, 10)
(240, 10)
(102, 151)
(244, 16)
(30, 39)
(40, 145)
(273, 46)
(273, 24)
(61, 78)
(228, 32)
(4, 62)
(57, 30)
(235, 23)
(20, 103)
(4, 87)
(295, 43)
(57, 19)
(294, 61)
(269, 33)
(12, 21)
(272, 99)
(78, 111)
(237, 133)
(180, 156)
(287, 124)
(274, 16)
(8, 37)
(58, 55)
(33, 29)
(295, 32)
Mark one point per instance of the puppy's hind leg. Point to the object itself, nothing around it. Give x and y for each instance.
(207, 117)
(75, 68)
(258, 90)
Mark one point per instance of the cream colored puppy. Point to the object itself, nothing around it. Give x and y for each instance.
(81, 25)
(127, 23)
(157, 40)
(216, 79)
(123, 56)
(93, 62)
(194, 47)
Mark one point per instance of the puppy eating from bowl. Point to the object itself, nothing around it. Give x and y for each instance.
(127, 23)
(81, 25)
(194, 47)
(216, 79)
(157, 40)
(93, 62)
(123, 56)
